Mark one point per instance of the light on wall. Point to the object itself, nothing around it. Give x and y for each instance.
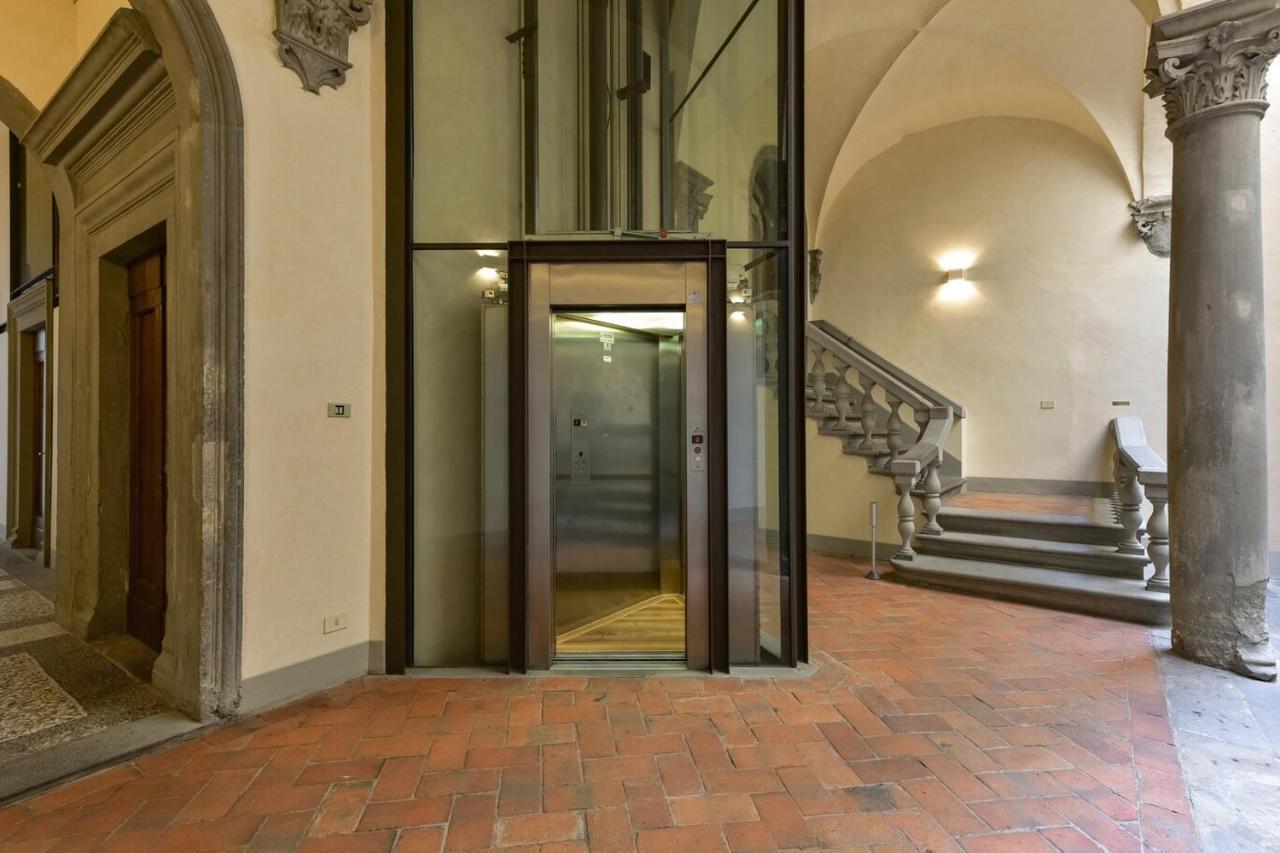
(956, 287)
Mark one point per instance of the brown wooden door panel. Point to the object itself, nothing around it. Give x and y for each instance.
(147, 598)
(39, 380)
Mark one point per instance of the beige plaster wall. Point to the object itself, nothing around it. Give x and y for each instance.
(91, 17)
(1070, 306)
(310, 257)
(37, 45)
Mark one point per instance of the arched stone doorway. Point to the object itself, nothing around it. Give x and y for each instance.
(158, 173)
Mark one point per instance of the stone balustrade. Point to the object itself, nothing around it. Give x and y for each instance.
(897, 423)
(1142, 476)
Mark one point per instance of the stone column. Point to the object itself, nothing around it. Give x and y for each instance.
(1209, 64)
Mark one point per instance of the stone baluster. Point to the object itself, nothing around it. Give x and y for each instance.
(933, 498)
(818, 381)
(906, 516)
(1130, 509)
(869, 412)
(844, 394)
(898, 441)
(1158, 536)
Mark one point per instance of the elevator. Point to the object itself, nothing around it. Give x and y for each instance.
(620, 451)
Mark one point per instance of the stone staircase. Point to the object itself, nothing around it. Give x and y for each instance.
(1059, 561)
(1099, 565)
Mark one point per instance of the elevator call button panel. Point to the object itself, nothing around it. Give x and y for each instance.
(698, 449)
(579, 449)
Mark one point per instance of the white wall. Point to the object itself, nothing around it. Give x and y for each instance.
(310, 258)
(1070, 306)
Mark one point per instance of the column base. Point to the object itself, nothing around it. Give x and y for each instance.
(1252, 660)
(1158, 585)
(904, 554)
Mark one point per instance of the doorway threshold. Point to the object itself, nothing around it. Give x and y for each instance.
(26, 775)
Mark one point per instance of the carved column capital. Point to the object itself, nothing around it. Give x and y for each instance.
(1153, 217)
(1211, 56)
(314, 36)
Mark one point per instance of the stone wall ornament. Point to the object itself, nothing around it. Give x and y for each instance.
(314, 36)
(1153, 217)
(815, 274)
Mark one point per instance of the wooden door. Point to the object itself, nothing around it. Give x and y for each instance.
(147, 598)
(38, 386)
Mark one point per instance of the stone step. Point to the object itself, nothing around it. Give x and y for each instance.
(1065, 556)
(1115, 598)
(1056, 528)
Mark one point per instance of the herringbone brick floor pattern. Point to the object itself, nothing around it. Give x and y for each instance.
(934, 722)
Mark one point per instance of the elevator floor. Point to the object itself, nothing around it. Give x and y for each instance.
(652, 626)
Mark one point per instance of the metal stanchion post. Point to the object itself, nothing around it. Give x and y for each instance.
(873, 574)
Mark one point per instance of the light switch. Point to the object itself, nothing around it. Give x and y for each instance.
(1048, 404)
(336, 622)
(339, 410)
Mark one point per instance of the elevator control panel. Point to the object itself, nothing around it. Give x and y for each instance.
(698, 449)
(579, 448)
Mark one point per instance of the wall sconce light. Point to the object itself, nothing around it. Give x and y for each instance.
(956, 287)
(738, 316)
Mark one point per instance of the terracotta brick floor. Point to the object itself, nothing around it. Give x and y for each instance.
(935, 722)
(1080, 507)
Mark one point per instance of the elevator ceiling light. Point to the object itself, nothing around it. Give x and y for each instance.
(641, 321)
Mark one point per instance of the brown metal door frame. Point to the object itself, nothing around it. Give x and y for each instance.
(522, 257)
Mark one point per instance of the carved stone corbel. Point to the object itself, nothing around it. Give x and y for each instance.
(815, 274)
(1153, 217)
(314, 36)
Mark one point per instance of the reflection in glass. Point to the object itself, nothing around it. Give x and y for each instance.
(759, 585)
(460, 467)
(606, 117)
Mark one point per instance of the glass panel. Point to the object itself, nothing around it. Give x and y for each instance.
(617, 409)
(726, 173)
(759, 586)
(460, 460)
(657, 114)
(466, 121)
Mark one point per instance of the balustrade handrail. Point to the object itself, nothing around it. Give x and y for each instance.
(894, 377)
(1135, 453)
(912, 459)
(1142, 475)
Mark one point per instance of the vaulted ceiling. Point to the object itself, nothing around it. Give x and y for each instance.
(877, 72)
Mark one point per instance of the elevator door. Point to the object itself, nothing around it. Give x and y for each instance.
(617, 538)
(617, 395)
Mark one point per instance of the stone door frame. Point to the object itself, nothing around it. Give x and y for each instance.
(190, 194)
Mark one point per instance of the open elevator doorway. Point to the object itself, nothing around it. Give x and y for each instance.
(618, 410)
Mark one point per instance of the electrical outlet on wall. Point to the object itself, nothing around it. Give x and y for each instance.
(1048, 404)
(336, 622)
